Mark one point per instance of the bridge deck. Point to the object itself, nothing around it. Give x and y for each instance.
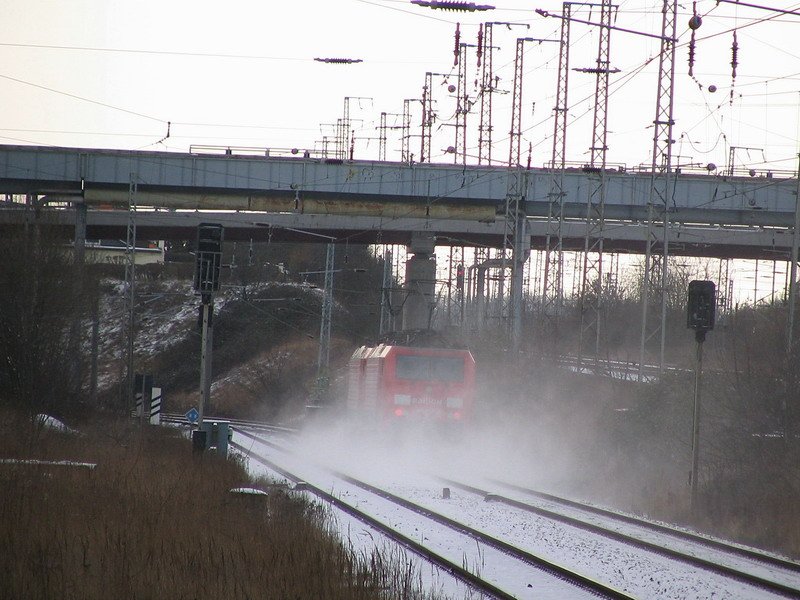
(710, 215)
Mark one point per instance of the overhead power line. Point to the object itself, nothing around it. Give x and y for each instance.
(769, 8)
(76, 97)
(156, 52)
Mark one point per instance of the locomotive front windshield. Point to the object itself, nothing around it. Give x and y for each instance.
(430, 368)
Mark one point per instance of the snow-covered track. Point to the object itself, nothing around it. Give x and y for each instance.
(744, 576)
(471, 580)
(748, 553)
(553, 570)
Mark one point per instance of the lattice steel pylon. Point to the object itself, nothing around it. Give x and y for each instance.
(462, 107)
(405, 142)
(654, 280)
(553, 280)
(344, 133)
(427, 118)
(592, 272)
(487, 89)
(515, 135)
(515, 230)
(130, 290)
(341, 139)
(382, 137)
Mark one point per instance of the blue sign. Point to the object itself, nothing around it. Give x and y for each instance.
(192, 415)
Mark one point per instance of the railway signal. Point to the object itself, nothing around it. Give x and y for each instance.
(701, 308)
(700, 312)
(208, 259)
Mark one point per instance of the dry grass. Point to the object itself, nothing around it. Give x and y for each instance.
(154, 521)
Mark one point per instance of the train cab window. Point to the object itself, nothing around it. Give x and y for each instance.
(430, 368)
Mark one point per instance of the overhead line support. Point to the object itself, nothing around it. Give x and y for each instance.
(592, 273)
(553, 284)
(654, 281)
(130, 289)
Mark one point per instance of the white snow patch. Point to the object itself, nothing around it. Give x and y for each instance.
(48, 422)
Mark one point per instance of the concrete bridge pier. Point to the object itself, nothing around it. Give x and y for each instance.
(420, 283)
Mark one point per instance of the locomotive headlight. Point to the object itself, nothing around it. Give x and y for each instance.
(455, 403)
(402, 400)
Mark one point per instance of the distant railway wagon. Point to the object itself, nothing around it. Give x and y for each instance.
(390, 383)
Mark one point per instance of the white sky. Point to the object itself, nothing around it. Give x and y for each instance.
(151, 58)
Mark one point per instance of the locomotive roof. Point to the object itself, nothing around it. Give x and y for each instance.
(422, 338)
(383, 350)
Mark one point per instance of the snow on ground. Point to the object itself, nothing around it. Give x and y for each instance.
(166, 311)
(637, 572)
(48, 422)
(363, 540)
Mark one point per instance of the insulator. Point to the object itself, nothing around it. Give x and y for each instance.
(339, 61)
(458, 43)
(452, 5)
(734, 56)
(694, 24)
(480, 43)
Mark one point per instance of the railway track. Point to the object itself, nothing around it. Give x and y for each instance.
(747, 553)
(240, 424)
(581, 585)
(785, 569)
(752, 569)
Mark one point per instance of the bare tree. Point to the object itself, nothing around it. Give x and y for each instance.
(39, 304)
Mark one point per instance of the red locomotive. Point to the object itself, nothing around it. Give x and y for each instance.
(394, 383)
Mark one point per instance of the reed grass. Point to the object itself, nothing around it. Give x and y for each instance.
(154, 521)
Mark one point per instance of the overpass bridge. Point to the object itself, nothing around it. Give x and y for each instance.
(305, 198)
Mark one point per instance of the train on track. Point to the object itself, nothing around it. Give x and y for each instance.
(394, 383)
